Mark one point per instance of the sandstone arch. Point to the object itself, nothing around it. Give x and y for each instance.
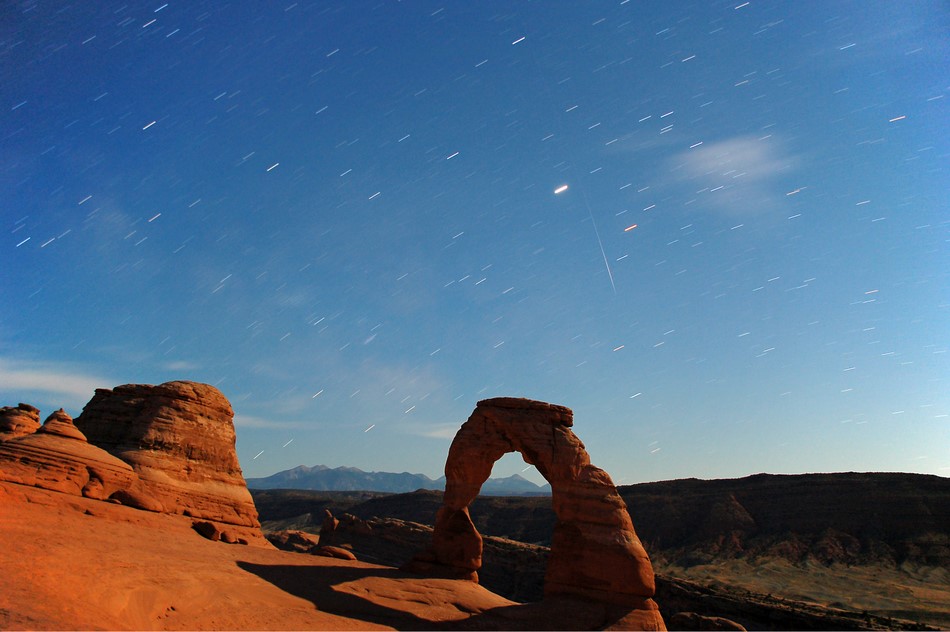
(595, 552)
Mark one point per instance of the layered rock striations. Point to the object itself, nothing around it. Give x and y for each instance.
(595, 552)
(179, 439)
(18, 421)
(167, 449)
(58, 457)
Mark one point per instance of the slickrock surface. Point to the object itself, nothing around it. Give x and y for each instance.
(179, 438)
(58, 457)
(595, 552)
(16, 421)
(124, 569)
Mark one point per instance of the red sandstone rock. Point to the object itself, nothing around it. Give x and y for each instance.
(329, 524)
(18, 421)
(179, 438)
(595, 552)
(334, 551)
(207, 530)
(58, 457)
(61, 424)
(293, 540)
(137, 498)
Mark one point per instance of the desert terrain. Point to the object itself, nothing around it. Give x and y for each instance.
(81, 564)
(136, 515)
(76, 563)
(872, 546)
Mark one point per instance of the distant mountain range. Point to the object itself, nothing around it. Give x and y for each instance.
(343, 479)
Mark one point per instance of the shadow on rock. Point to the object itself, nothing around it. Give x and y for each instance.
(318, 584)
(324, 587)
(564, 613)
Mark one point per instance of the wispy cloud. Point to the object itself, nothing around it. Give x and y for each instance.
(738, 175)
(70, 385)
(440, 432)
(432, 431)
(182, 365)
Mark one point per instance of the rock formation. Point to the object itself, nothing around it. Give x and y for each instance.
(512, 569)
(293, 540)
(334, 551)
(179, 439)
(303, 542)
(595, 552)
(58, 457)
(16, 422)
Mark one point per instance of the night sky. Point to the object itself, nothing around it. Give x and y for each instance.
(716, 230)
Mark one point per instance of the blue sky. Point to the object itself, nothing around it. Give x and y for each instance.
(344, 215)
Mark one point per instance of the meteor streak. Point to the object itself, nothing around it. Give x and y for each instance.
(590, 213)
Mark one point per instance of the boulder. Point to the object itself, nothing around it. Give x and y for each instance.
(334, 551)
(294, 540)
(179, 439)
(207, 530)
(58, 457)
(218, 533)
(595, 552)
(18, 421)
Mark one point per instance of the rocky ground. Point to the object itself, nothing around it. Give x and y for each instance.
(137, 516)
(516, 570)
(87, 565)
(75, 563)
(877, 558)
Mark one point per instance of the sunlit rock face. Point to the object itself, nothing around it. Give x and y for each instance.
(595, 552)
(58, 457)
(179, 439)
(18, 421)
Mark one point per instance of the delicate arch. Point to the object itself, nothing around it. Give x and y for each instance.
(595, 552)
